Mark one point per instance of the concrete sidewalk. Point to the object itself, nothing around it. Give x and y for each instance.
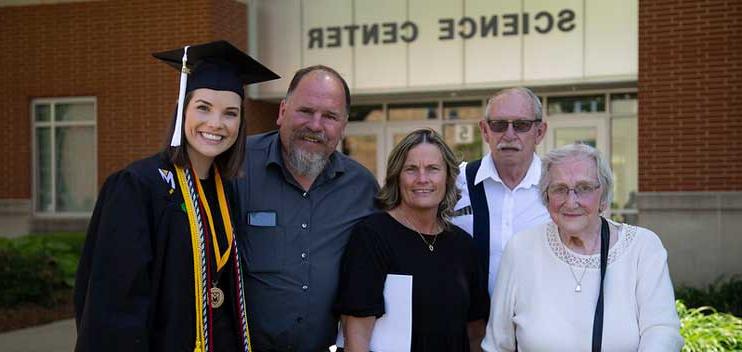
(55, 337)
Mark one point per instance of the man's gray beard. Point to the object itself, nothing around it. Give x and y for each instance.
(306, 163)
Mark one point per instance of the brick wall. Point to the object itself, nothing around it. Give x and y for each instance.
(261, 116)
(100, 49)
(690, 95)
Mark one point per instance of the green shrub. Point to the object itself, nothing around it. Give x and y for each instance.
(34, 268)
(705, 329)
(725, 295)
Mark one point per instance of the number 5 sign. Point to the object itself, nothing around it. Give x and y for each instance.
(464, 134)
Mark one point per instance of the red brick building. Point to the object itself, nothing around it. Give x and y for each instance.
(97, 51)
(658, 90)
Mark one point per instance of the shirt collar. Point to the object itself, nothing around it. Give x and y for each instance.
(487, 170)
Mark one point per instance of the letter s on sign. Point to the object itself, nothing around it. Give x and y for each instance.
(566, 20)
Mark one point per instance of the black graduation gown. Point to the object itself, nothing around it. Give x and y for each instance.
(134, 288)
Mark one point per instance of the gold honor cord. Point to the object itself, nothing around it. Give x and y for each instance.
(221, 259)
(196, 242)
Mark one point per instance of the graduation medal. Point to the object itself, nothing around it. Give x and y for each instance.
(217, 296)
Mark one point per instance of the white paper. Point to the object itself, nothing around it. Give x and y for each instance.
(393, 331)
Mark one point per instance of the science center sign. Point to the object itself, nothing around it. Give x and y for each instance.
(448, 29)
(398, 46)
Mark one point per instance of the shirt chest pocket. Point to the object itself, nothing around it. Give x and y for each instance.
(265, 246)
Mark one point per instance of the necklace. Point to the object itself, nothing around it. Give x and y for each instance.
(431, 245)
(578, 282)
(216, 295)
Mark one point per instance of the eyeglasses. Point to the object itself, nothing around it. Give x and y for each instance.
(560, 193)
(520, 126)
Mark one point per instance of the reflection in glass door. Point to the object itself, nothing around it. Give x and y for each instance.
(592, 131)
(583, 135)
(364, 143)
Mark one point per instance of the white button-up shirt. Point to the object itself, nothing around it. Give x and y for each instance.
(511, 211)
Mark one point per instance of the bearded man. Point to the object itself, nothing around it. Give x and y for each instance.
(298, 200)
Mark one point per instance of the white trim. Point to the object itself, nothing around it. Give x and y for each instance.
(491, 87)
(52, 124)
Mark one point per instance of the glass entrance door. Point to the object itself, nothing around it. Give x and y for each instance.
(590, 130)
(365, 143)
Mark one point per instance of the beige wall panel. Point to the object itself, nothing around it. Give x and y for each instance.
(323, 14)
(433, 61)
(268, 21)
(558, 54)
(492, 58)
(689, 256)
(701, 231)
(611, 38)
(383, 65)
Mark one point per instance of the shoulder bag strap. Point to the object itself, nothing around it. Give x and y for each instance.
(605, 237)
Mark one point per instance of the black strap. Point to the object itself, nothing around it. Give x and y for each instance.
(605, 237)
(481, 215)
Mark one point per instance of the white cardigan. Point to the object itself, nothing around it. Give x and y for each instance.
(535, 303)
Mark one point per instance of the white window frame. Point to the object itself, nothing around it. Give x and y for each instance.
(53, 124)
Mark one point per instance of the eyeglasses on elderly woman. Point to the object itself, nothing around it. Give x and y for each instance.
(582, 190)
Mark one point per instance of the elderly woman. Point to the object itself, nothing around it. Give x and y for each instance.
(581, 282)
(414, 237)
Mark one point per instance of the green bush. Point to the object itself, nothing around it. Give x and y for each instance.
(34, 268)
(705, 329)
(724, 294)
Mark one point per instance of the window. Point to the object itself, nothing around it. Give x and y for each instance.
(624, 156)
(413, 111)
(463, 110)
(366, 113)
(64, 144)
(576, 104)
(461, 131)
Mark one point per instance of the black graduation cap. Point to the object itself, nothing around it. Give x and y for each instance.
(216, 65)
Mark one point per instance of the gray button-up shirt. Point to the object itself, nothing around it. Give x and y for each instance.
(293, 241)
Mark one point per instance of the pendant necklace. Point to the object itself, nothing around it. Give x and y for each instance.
(216, 295)
(431, 245)
(578, 287)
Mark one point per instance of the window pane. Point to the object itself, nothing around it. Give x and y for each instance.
(624, 103)
(568, 135)
(43, 113)
(624, 162)
(363, 149)
(43, 170)
(573, 105)
(75, 169)
(366, 113)
(415, 111)
(74, 112)
(465, 139)
(463, 110)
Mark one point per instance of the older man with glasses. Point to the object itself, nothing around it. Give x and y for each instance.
(499, 193)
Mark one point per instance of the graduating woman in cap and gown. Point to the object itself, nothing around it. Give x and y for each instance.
(160, 270)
